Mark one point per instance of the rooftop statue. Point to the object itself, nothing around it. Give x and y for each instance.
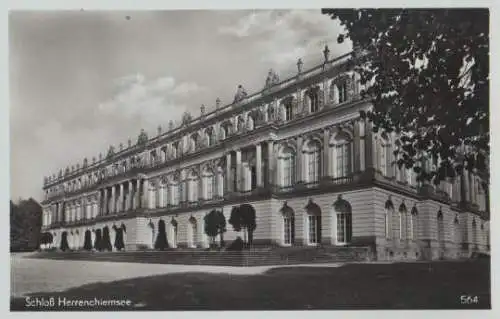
(186, 118)
(272, 78)
(85, 162)
(111, 151)
(170, 125)
(240, 94)
(202, 110)
(217, 103)
(299, 65)
(326, 53)
(121, 146)
(142, 138)
(159, 129)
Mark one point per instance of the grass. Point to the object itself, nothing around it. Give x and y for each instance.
(437, 285)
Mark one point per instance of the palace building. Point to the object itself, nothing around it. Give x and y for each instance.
(298, 153)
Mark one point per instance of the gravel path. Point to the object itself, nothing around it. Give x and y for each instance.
(30, 275)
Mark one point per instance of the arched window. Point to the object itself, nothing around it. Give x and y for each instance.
(312, 96)
(440, 224)
(402, 214)
(176, 191)
(192, 189)
(412, 223)
(208, 183)
(210, 136)
(193, 232)
(174, 232)
(455, 230)
(250, 122)
(287, 105)
(343, 218)
(193, 142)
(313, 160)
(341, 150)
(313, 223)
(287, 161)
(474, 232)
(384, 152)
(388, 213)
(219, 181)
(288, 225)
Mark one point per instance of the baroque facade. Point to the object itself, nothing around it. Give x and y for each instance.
(298, 153)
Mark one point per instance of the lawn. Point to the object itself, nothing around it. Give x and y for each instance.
(437, 285)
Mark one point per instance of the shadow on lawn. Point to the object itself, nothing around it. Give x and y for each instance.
(436, 285)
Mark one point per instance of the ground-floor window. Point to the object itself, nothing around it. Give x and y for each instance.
(344, 228)
(314, 222)
(289, 229)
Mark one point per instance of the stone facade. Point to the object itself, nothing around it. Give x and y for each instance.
(298, 152)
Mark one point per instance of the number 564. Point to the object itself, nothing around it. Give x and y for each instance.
(467, 300)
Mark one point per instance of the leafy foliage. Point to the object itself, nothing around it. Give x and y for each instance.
(25, 225)
(214, 225)
(118, 244)
(98, 240)
(243, 217)
(64, 241)
(427, 74)
(161, 239)
(87, 242)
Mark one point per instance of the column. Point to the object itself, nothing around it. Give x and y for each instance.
(270, 161)
(130, 195)
(239, 171)
(326, 153)
(161, 189)
(298, 170)
(258, 168)
(113, 199)
(105, 204)
(228, 172)
(137, 194)
(145, 193)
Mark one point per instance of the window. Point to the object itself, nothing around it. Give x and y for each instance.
(193, 232)
(313, 221)
(400, 217)
(410, 225)
(387, 222)
(344, 227)
(313, 96)
(193, 190)
(342, 160)
(384, 151)
(342, 92)
(209, 186)
(288, 111)
(314, 162)
(289, 226)
(176, 190)
(288, 161)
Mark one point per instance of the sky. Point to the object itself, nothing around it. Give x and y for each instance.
(81, 81)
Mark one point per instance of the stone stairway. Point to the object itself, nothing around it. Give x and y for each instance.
(256, 257)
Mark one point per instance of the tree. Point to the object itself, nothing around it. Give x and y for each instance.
(106, 240)
(87, 243)
(214, 225)
(248, 219)
(25, 225)
(243, 217)
(426, 71)
(64, 241)
(118, 244)
(161, 239)
(98, 240)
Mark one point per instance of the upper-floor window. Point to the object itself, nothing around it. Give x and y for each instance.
(210, 136)
(287, 160)
(313, 155)
(341, 147)
(342, 91)
(288, 108)
(312, 95)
